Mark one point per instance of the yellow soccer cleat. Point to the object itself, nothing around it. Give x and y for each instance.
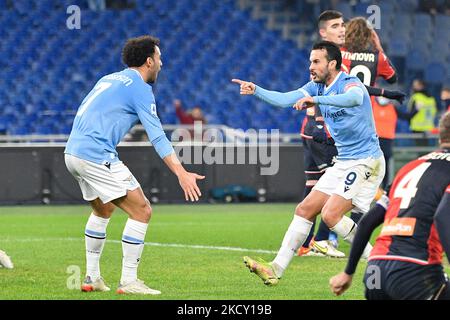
(262, 269)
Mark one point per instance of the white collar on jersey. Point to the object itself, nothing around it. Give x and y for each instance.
(140, 75)
(334, 81)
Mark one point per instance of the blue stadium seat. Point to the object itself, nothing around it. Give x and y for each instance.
(442, 21)
(398, 47)
(414, 60)
(345, 8)
(408, 6)
(435, 73)
(201, 53)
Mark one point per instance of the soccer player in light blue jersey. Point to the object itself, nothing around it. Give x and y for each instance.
(115, 104)
(359, 170)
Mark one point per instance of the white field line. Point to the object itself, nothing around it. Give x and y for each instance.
(151, 244)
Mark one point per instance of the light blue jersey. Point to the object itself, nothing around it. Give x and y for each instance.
(347, 111)
(116, 103)
(349, 121)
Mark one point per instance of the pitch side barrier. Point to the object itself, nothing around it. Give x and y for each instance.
(35, 172)
(33, 169)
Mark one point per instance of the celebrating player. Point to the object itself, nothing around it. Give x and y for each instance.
(318, 146)
(359, 170)
(116, 103)
(405, 262)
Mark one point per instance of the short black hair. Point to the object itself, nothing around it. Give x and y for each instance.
(327, 16)
(137, 50)
(333, 51)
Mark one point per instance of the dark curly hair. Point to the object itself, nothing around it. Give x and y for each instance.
(358, 36)
(137, 50)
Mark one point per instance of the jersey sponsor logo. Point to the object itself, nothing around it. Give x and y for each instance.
(335, 115)
(358, 56)
(399, 227)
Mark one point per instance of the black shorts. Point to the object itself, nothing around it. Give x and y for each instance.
(399, 280)
(318, 156)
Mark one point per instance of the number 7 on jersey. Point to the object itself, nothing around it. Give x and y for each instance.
(99, 88)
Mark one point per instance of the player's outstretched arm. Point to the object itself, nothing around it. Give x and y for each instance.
(187, 180)
(351, 98)
(369, 222)
(279, 99)
(247, 88)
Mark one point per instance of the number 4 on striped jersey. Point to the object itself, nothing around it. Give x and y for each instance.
(407, 187)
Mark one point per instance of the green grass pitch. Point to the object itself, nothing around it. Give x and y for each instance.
(192, 252)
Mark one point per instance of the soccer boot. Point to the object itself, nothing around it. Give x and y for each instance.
(5, 260)
(136, 287)
(308, 252)
(325, 247)
(262, 269)
(97, 285)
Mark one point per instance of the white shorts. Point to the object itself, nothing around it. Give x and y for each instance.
(354, 179)
(99, 181)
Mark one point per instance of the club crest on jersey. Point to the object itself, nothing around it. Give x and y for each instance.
(153, 110)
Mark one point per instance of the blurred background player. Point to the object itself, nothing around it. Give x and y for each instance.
(117, 102)
(5, 261)
(422, 111)
(190, 118)
(385, 116)
(445, 98)
(362, 54)
(354, 179)
(407, 255)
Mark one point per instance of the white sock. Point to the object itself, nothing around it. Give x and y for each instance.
(132, 246)
(293, 239)
(95, 236)
(346, 228)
